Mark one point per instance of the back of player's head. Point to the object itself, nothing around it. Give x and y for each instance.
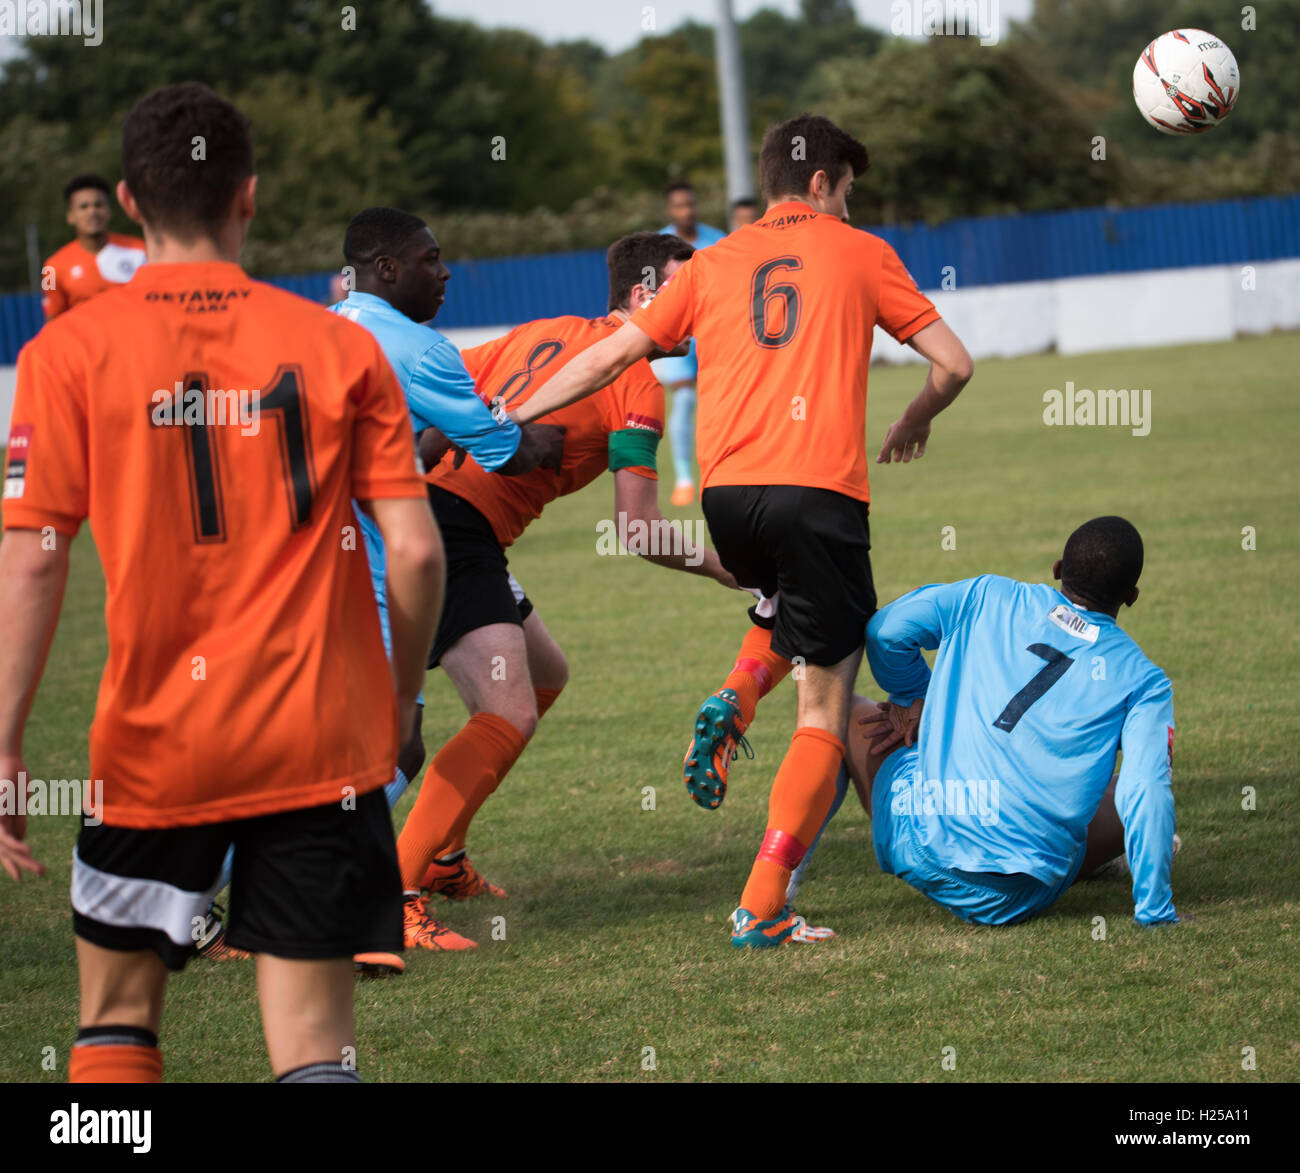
(794, 151)
(378, 232)
(84, 183)
(1102, 561)
(185, 152)
(633, 259)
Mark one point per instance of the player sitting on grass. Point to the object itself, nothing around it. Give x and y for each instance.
(255, 707)
(1001, 795)
(492, 642)
(783, 312)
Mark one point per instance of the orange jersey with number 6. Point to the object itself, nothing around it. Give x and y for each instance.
(783, 312)
(214, 431)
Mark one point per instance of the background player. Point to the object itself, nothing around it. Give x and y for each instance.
(1002, 794)
(246, 698)
(677, 373)
(96, 259)
(784, 312)
(744, 211)
(493, 644)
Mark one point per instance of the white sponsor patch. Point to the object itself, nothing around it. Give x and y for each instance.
(1069, 620)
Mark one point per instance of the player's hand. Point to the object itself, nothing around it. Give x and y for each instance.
(15, 855)
(890, 725)
(434, 446)
(550, 438)
(904, 441)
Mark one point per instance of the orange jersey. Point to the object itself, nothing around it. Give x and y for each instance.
(782, 312)
(74, 274)
(618, 427)
(214, 430)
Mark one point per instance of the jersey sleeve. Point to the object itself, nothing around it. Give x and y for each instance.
(384, 463)
(1144, 799)
(54, 301)
(441, 392)
(670, 316)
(897, 633)
(901, 308)
(47, 470)
(637, 424)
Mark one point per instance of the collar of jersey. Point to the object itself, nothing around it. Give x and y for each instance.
(790, 206)
(1099, 616)
(160, 273)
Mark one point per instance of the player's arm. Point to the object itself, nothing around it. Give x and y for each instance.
(1144, 800)
(55, 301)
(33, 574)
(588, 372)
(636, 498)
(951, 369)
(895, 638)
(417, 575)
(441, 391)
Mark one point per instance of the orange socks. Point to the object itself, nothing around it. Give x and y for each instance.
(115, 1054)
(459, 779)
(801, 797)
(758, 670)
(546, 697)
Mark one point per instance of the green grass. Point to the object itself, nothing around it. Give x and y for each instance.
(615, 926)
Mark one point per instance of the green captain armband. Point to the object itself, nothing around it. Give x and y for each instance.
(632, 448)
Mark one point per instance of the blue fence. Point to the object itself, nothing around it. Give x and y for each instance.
(994, 250)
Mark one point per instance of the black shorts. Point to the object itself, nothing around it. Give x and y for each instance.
(480, 588)
(811, 545)
(314, 883)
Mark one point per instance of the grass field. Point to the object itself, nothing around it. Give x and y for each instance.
(615, 926)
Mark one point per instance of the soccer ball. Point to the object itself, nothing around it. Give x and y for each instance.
(1186, 82)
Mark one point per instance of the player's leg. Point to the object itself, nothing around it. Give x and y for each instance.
(1105, 835)
(802, 792)
(489, 667)
(821, 544)
(720, 722)
(452, 874)
(307, 1018)
(120, 1017)
(138, 899)
(681, 434)
(312, 889)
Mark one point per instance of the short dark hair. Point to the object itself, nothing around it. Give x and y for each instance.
(744, 202)
(630, 256)
(378, 232)
(176, 191)
(678, 185)
(82, 182)
(822, 146)
(1102, 561)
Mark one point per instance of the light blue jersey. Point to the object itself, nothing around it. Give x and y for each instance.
(439, 393)
(1029, 702)
(673, 370)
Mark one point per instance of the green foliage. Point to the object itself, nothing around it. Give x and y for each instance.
(517, 146)
(958, 129)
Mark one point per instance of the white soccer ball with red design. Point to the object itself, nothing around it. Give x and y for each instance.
(1186, 82)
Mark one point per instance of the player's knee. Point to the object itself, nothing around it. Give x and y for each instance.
(557, 672)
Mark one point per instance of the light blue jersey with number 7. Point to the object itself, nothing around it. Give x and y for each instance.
(1029, 702)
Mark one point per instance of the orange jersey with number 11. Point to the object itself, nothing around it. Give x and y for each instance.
(214, 430)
